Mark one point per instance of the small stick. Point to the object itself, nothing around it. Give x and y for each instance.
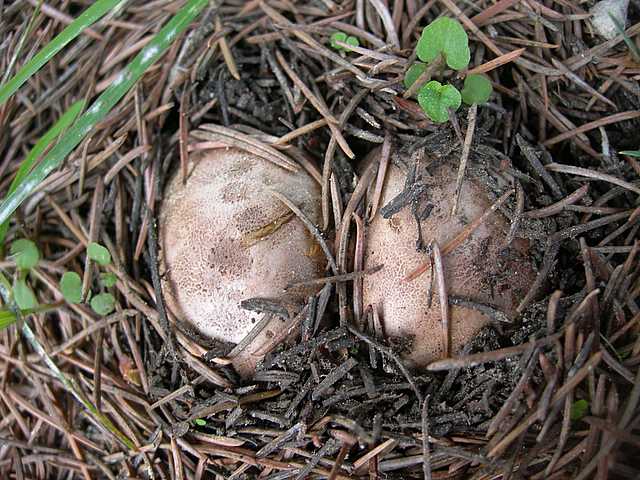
(585, 172)
(382, 171)
(345, 277)
(426, 454)
(466, 150)
(559, 206)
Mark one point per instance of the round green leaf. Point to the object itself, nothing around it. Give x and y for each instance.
(414, 73)
(71, 287)
(353, 41)
(99, 254)
(103, 303)
(436, 100)
(445, 36)
(25, 253)
(23, 295)
(200, 422)
(338, 37)
(108, 279)
(477, 89)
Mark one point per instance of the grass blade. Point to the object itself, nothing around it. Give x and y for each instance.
(631, 153)
(27, 164)
(105, 102)
(87, 18)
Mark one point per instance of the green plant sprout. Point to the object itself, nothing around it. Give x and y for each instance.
(477, 89)
(343, 38)
(103, 303)
(26, 255)
(71, 284)
(99, 254)
(436, 100)
(445, 42)
(445, 38)
(71, 287)
(413, 74)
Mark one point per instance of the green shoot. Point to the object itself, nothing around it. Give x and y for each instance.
(99, 254)
(436, 100)
(25, 253)
(445, 37)
(200, 422)
(71, 287)
(344, 38)
(27, 164)
(103, 105)
(414, 73)
(579, 409)
(87, 18)
(477, 89)
(103, 304)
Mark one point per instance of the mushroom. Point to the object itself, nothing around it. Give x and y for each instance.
(480, 270)
(226, 238)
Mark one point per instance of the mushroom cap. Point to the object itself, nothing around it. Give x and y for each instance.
(226, 238)
(480, 269)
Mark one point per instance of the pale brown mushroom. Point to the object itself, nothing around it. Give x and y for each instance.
(480, 269)
(226, 238)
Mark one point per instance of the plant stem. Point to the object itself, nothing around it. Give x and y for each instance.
(425, 76)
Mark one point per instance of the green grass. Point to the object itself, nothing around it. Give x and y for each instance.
(41, 145)
(91, 15)
(102, 105)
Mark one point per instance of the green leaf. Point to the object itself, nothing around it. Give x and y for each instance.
(100, 108)
(414, 73)
(631, 153)
(23, 295)
(50, 135)
(579, 409)
(71, 287)
(103, 303)
(98, 253)
(108, 279)
(353, 41)
(477, 89)
(25, 253)
(75, 28)
(436, 100)
(200, 422)
(445, 36)
(337, 37)
(342, 37)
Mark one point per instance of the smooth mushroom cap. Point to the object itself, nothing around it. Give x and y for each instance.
(226, 238)
(480, 269)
